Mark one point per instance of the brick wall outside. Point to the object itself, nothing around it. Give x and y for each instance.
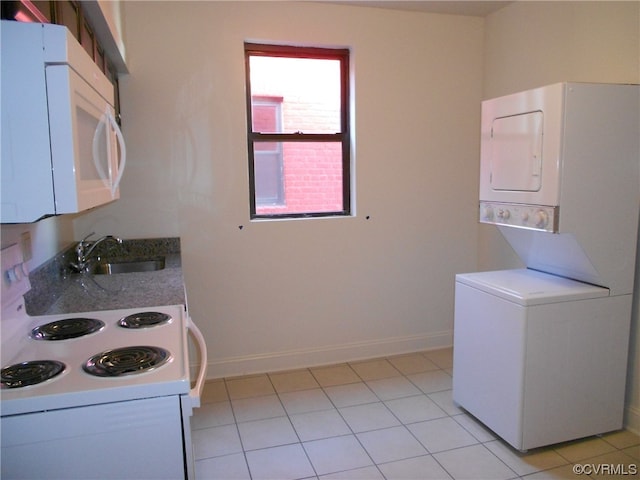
(312, 171)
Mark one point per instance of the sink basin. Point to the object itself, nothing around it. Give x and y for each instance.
(132, 266)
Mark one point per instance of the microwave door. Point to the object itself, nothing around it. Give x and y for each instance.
(81, 173)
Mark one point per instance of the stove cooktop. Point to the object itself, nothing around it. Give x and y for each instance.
(33, 341)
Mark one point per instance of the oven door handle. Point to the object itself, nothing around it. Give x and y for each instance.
(196, 391)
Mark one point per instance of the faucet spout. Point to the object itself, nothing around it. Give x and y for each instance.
(84, 249)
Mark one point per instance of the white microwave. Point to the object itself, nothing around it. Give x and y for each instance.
(62, 150)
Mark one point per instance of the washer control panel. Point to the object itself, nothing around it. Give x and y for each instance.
(532, 217)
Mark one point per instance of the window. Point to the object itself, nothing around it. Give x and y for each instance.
(298, 131)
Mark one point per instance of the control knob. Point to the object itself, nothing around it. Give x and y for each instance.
(504, 214)
(487, 212)
(541, 219)
(15, 273)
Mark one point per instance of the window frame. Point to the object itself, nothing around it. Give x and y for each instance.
(343, 137)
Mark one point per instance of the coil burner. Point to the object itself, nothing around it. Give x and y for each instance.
(126, 361)
(144, 320)
(67, 328)
(30, 373)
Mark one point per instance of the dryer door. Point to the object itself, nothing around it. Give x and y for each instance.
(516, 152)
(520, 147)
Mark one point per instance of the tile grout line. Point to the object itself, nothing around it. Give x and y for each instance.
(353, 433)
(322, 387)
(381, 401)
(429, 453)
(235, 421)
(293, 427)
(449, 415)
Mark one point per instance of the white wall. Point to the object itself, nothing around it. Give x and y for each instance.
(276, 295)
(530, 44)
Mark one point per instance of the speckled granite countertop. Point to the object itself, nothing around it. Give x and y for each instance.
(55, 290)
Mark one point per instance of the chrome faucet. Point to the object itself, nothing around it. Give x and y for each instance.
(84, 249)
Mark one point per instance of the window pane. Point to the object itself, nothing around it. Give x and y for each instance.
(309, 90)
(269, 182)
(266, 114)
(311, 177)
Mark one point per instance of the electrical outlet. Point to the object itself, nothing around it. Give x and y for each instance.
(25, 246)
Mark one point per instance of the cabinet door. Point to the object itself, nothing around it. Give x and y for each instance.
(87, 38)
(68, 14)
(110, 72)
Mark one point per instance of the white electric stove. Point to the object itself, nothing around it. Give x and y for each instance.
(118, 379)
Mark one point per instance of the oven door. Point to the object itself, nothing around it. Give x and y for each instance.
(133, 439)
(87, 148)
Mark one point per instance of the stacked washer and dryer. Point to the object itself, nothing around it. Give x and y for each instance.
(540, 353)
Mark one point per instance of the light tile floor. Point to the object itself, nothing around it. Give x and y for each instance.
(388, 418)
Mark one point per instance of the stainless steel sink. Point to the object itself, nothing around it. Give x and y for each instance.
(132, 266)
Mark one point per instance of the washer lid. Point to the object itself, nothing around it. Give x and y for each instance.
(531, 287)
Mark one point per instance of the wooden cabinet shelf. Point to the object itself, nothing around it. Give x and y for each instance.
(69, 13)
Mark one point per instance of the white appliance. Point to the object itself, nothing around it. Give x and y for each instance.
(112, 409)
(62, 150)
(540, 354)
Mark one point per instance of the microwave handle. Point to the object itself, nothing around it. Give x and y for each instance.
(102, 125)
(196, 392)
(123, 152)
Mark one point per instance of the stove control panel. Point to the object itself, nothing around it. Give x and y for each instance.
(15, 276)
(532, 217)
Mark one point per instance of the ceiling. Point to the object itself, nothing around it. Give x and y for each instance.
(476, 8)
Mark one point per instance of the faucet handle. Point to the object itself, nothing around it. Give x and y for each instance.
(82, 244)
(87, 236)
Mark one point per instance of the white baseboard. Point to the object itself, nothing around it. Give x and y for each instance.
(632, 419)
(303, 358)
